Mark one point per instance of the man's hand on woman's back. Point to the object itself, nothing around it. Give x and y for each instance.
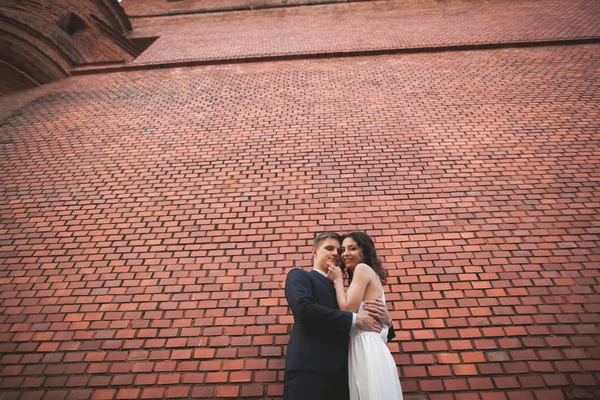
(378, 310)
(367, 323)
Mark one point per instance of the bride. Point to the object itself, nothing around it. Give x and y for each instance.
(372, 372)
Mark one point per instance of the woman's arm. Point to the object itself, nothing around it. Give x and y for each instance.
(350, 301)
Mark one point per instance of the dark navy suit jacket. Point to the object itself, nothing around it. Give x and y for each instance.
(321, 331)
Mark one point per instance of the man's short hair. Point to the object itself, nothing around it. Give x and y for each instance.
(325, 235)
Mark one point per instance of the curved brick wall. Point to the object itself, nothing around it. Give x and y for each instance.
(41, 41)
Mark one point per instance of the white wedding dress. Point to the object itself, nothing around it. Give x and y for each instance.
(372, 372)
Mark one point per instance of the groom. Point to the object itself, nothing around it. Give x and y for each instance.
(316, 365)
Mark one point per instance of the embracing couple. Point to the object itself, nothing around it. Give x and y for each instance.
(337, 347)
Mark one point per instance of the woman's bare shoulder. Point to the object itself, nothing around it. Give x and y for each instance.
(363, 268)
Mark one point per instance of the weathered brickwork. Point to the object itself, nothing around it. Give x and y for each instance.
(148, 218)
(41, 41)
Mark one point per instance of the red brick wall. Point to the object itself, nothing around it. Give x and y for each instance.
(363, 26)
(149, 219)
(137, 8)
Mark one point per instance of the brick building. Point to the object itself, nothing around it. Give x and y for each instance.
(163, 164)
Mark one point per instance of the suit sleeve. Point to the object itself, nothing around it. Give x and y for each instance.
(299, 295)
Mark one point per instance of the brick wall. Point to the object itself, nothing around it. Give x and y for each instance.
(135, 8)
(149, 217)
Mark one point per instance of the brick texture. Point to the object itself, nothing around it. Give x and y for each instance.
(148, 220)
(362, 26)
(135, 8)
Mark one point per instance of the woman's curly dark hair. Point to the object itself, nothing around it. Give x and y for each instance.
(368, 255)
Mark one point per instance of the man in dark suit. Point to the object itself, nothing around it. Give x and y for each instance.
(316, 365)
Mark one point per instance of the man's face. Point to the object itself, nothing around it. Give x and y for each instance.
(328, 250)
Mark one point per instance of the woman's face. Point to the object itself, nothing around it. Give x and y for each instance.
(351, 253)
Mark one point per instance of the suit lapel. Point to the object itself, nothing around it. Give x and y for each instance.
(324, 281)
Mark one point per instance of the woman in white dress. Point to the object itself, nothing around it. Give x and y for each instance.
(372, 373)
